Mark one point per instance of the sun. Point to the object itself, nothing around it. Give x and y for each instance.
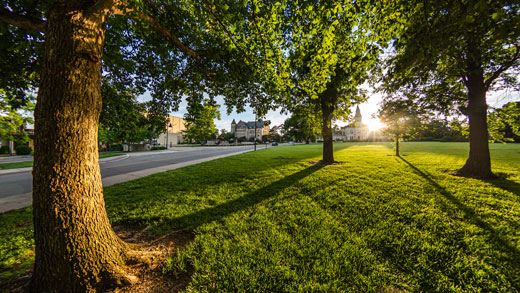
(375, 124)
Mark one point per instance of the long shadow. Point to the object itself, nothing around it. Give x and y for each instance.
(506, 185)
(208, 215)
(499, 242)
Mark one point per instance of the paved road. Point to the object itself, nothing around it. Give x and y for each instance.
(18, 186)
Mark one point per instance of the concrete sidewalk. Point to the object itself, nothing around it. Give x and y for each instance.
(24, 200)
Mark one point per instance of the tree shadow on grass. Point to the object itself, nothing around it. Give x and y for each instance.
(499, 242)
(505, 184)
(208, 215)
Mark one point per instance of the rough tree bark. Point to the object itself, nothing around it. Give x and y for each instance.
(328, 100)
(478, 164)
(76, 248)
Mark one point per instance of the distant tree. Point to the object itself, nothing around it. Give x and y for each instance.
(12, 121)
(303, 125)
(444, 48)
(229, 136)
(441, 129)
(124, 120)
(200, 124)
(401, 119)
(504, 123)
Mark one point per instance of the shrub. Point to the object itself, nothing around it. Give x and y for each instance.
(116, 148)
(4, 150)
(453, 138)
(23, 150)
(155, 148)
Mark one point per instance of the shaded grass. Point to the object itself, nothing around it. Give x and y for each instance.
(268, 221)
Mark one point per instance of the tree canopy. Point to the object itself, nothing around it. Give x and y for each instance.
(333, 48)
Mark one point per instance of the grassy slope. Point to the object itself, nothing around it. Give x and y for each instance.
(25, 164)
(269, 221)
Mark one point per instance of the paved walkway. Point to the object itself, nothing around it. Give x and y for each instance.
(25, 199)
(15, 159)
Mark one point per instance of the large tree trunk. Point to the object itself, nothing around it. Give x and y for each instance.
(76, 248)
(328, 102)
(478, 164)
(328, 150)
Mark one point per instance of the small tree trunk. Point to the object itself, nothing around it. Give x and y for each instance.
(76, 248)
(11, 147)
(478, 164)
(397, 146)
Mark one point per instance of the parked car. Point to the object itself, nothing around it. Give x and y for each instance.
(274, 143)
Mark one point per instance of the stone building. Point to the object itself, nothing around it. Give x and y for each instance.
(174, 132)
(247, 129)
(356, 131)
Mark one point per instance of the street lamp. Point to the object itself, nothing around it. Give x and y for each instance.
(167, 130)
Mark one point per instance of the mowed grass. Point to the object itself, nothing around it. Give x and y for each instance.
(270, 221)
(16, 165)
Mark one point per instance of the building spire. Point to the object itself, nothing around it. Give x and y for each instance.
(358, 117)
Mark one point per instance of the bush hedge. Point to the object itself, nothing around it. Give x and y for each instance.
(116, 148)
(23, 150)
(156, 148)
(4, 150)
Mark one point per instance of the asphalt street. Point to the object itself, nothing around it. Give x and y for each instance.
(18, 186)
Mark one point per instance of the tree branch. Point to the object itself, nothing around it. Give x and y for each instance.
(138, 14)
(22, 21)
(102, 7)
(503, 68)
(225, 30)
(168, 35)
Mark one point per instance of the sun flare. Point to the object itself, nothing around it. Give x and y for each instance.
(375, 124)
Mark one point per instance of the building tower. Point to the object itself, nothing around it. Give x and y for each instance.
(358, 117)
(233, 126)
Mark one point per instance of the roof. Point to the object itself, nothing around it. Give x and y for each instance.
(251, 124)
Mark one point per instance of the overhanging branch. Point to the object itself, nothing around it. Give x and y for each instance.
(503, 68)
(22, 21)
(168, 35)
(118, 7)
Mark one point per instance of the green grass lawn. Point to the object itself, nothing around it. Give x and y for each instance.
(109, 154)
(269, 221)
(25, 164)
(16, 165)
